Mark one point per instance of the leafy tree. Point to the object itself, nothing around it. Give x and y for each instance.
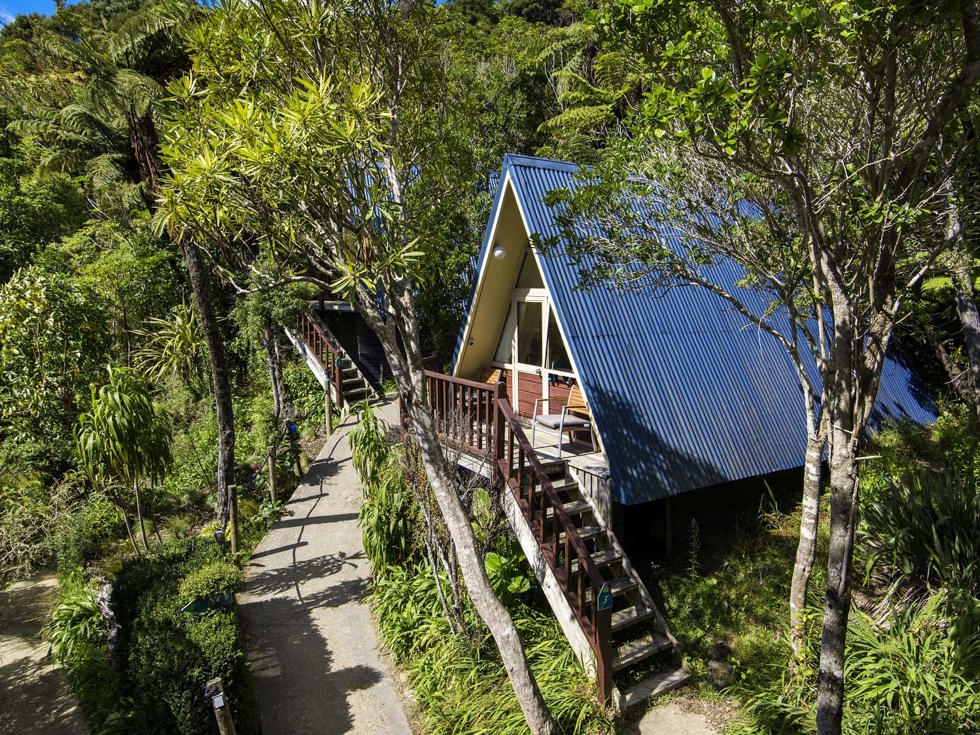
(833, 118)
(124, 439)
(174, 346)
(315, 144)
(33, 211)
(51, 345)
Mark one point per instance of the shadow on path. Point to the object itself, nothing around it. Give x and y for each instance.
(34, 694)
(287, 702)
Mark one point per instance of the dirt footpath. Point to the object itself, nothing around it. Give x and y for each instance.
(34, 694)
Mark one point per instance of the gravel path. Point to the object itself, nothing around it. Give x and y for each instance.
(34, 694)
(312, 644)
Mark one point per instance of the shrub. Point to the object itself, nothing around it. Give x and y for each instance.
(458, 679)
(78, 636)
(213, 581)
(369, 446)
(167, 655)
(386, 516)
(910, 675)
(924, 528)
(76, 625)
(87, 534)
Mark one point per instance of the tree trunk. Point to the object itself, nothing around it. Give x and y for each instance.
(220, 383)
(490, 609)
(129, 530)
(966, 309)
(274, 365)
(139, 517)
(399, 338)
(843, 519)
(806, 549)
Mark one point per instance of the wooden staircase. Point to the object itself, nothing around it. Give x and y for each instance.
(337, 370)
(645, 657)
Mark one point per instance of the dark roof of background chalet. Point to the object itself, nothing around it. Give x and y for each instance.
(684, 391)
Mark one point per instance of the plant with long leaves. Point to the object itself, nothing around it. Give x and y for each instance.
(174, 346)
(123, 440)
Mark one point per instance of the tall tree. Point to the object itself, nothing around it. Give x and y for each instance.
(831, 116)
(316, 144)
(115, 113)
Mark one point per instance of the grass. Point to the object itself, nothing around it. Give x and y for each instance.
(729, 603)
(459, 683)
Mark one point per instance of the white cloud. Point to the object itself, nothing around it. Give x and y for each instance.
(5, 15)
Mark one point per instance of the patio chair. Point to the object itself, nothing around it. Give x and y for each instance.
(561, 421)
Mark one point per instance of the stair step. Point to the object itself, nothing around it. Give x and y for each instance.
(654, 686)
(577, 507)
(604, 557)
(565, 486)
(628, 616)
(587, 532)
(620, 585)
(633, 652)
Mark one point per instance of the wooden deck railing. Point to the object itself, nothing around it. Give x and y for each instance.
(324, 349)
(477, 417)
(465, 411)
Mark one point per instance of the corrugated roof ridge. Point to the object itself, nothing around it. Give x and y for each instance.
(553, 164)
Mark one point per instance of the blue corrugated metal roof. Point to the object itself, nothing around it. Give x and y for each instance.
(685, 393)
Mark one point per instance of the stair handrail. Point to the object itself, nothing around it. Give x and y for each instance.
(595, 623)
(313, 333)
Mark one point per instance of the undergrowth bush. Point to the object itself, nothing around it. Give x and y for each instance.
(78, 637)
(916, 671)
(458, 679)
(923, 530)
(914, 666)
(167, 655)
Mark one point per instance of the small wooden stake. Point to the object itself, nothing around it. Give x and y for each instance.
(233, 517)
(215, 691)
(271, 466)
(328, 409)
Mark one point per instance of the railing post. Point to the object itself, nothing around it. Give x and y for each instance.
(498, 425)
(604, 668)
(336, 379)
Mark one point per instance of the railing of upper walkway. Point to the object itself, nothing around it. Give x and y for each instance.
(477, 417)
(326, 351)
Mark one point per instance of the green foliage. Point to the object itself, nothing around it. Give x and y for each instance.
(507, 569)
(304, 391)
(78, 636)
(389, 510)
(369, 446)
(174, 346)
(76, 625)
(911, 674)
(924, 531)
(52, 343)
(167, 655)
(458, 680)
(124, 436)
(212, 581)
(33, 212)
(87, 534)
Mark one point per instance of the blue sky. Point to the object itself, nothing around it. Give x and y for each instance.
(10, 8)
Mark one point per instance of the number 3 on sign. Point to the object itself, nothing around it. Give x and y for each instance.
(605, 599)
